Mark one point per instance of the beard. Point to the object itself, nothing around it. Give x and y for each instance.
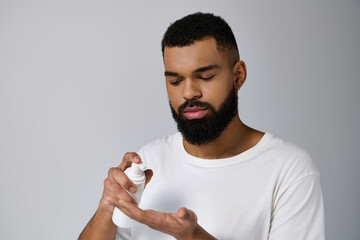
(209, 128)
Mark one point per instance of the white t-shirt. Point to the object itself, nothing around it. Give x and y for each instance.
(271, 191)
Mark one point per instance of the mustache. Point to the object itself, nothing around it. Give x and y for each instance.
(194, 103)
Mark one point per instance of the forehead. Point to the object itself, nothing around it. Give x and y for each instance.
(187, 58)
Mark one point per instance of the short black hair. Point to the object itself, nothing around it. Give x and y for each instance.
(197, 26)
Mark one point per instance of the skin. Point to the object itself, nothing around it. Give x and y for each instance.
(181, 67)
(196, 72)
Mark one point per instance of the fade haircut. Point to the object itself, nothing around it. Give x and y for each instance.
(198, 26)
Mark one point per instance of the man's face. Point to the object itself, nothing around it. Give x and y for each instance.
(200, 86)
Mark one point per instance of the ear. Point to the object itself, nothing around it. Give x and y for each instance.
(239, 71)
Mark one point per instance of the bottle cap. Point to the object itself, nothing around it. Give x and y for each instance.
(136, 172)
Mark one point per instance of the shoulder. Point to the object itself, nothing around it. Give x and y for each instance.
(293, 161)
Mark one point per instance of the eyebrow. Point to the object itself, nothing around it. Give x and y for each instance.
(199, 70)
(171, 74)
(206, 68)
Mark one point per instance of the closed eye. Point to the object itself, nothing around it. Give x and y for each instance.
(175, 82)
(207, 78)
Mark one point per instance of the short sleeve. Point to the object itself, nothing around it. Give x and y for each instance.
(298, 211)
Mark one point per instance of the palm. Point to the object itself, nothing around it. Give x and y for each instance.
(181, 224)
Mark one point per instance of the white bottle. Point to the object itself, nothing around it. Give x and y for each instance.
(136, 174)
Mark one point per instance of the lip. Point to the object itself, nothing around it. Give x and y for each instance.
(194, 109)
(195, 112)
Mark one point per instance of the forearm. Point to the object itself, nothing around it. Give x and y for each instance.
(100, 227)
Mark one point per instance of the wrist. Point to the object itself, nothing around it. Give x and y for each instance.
(200, 234)
(105, 208)
(104, 214)
(100, 226)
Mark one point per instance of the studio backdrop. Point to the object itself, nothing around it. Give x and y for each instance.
(82, 82)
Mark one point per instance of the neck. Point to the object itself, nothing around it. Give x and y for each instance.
(235, 139)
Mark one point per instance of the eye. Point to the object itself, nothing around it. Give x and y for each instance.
(175, 82)
(207, 78)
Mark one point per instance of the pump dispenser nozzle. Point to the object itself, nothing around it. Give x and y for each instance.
(136, 170)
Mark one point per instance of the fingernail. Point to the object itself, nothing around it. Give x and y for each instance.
(136, 158)
(132, 190)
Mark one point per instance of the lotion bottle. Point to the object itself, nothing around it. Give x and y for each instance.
(136, 174)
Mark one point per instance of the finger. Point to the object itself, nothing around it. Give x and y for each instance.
(148, 175)
(131, 210)
(112, 188)
(109, 200)
(153, 219)
(183, 213)
(187, 215)
(128, 159)
(120, 177)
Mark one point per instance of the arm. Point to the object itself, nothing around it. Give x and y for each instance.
(101, 226)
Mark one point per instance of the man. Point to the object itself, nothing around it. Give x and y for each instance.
(217, 178)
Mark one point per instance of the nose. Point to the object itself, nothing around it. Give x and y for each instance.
(191, 89)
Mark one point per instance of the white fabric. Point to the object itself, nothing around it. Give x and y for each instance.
(271, 191)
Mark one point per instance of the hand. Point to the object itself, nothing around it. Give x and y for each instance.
(117, 180)
(181, 225)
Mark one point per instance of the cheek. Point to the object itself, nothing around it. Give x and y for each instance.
(173, 98)
(217, 94)
(215, 99)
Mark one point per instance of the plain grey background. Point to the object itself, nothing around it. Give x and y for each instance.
(81, 83)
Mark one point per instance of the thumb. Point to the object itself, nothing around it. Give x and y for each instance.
(184, 213)
(148, 175)
(186, 216)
